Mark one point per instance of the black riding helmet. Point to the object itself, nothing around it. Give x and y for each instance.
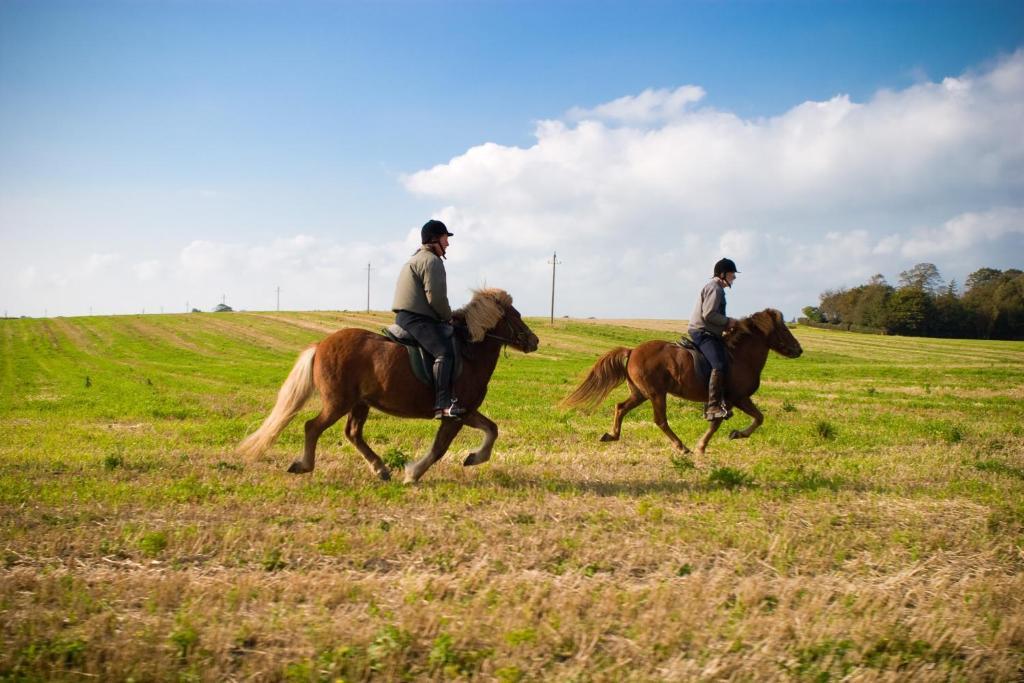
(724, 266)
(432, 229)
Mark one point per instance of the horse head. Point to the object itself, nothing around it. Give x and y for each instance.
(490, 313)
(769, 324)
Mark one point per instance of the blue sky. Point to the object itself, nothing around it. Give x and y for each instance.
(144, 142)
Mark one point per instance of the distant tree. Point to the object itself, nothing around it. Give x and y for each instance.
(813, 313)
(910, 309)
(923, 276)
(872, 306)
(196, 310)
(981, 277)
(952, 318)
(837, 305)
(995, 303)
(222, 308)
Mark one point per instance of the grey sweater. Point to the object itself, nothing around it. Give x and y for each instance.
(423, 286)
(709, 313)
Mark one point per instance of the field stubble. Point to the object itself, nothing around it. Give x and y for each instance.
(872, 529)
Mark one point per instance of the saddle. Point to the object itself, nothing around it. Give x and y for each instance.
(422, 363)
(700, 362)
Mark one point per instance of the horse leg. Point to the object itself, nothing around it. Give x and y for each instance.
(445, 434)
(354, 432)
(635, 399)
(314, 428)
(658, 404)
(748, 407)
(490, 430)
(712, 428)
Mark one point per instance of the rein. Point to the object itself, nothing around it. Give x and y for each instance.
(504, 340)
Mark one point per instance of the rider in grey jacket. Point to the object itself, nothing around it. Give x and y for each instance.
(707, 324)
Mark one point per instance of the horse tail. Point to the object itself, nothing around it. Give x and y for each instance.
(608, 372)
(293, 394)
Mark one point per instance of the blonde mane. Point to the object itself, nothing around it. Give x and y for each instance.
(484, 310)
(763, 322)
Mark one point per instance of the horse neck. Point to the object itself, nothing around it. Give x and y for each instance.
(752, 350)
(483, 356)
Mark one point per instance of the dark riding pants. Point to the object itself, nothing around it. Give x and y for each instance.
(436, 337)
(713, 349)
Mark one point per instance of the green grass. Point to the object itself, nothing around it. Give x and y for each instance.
(873, 527)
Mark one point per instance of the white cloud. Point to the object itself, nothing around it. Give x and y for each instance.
(823, 195)
(99, 262)
(965, 232)
(148, 270)
(647, 107)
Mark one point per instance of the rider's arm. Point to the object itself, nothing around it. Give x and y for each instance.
(435, 285)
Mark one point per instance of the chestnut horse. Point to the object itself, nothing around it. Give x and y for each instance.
(656, 368)
(355, 370)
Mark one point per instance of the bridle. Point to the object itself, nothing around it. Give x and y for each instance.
(517, 339)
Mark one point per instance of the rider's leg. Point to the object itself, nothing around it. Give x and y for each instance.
(713, 349)
(436, 338)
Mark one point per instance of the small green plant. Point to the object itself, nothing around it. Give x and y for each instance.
(272, 561)
(685, 569)
(153, 543)
(788, 407)
(681, 463)
(825, 430)
(953, 434)
(395, 459)
(88, 382)
(389, 641)
(729, 478)
(113, 461)
(185, 637)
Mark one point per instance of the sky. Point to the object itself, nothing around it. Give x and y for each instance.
(161, 156)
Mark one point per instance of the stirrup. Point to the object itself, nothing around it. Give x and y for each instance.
(453, 411)
(717, 412)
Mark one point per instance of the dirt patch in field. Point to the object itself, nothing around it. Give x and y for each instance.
(296, 322)
(158, 333)
(676, 326)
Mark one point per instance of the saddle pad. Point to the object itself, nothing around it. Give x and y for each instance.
(700, 363)
(421, 362)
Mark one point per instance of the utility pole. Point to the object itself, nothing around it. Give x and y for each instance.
(186, 305)
(554, 262)
(279, 298)
(367, 287)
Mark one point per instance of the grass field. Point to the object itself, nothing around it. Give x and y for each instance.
(873, 529)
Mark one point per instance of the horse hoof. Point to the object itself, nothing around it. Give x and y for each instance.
(297, 468)
(473, 459)
(384, 475)
(410, 477)
(609, 437)
(735, 434)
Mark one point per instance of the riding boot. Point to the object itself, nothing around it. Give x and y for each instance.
(716, 408)
(444, 404)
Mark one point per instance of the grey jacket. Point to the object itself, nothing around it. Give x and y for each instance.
(423, 286)
(709, 313)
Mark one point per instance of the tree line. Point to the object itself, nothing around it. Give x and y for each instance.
(989, 306)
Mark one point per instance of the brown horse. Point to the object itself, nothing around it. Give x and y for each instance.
(355, 370)
(656, 368)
